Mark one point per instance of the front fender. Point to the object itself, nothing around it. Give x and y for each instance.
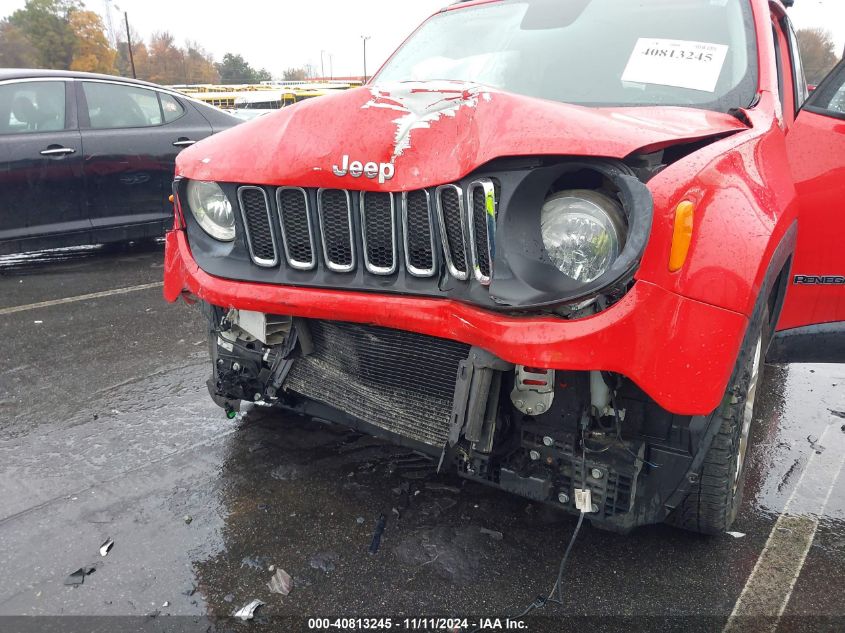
(745, 205)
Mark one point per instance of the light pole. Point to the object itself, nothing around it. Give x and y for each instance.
(129, 44)
(331, 66)
(365, 38)
(322, 66)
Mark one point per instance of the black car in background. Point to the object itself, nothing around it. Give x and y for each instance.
(89, 159)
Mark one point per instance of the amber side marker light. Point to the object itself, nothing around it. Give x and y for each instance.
(682, 235)
(171, 198)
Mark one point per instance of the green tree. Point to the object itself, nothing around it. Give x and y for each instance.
(46, 25)
(234, 69)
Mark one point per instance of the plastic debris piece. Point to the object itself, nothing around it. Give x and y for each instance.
(105, 548)
(229, 597)
(377, 533)
(281, 582)
(78, 577)
(187, 519)
(247, 611)
(737, 534)
(359, 520)
(493, 534)
(165, 604)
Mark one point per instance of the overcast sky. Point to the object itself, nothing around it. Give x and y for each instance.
(282, 33)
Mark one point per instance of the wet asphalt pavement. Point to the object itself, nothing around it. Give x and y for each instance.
(107, 431)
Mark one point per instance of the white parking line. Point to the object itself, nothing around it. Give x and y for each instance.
(93, 295)
(769, 587)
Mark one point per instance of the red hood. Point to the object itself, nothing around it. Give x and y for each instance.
(431, 133)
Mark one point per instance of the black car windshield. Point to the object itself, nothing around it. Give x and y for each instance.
(698, 53)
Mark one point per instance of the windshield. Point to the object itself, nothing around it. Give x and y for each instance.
(699, 53)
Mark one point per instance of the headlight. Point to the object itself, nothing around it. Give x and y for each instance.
(583, 233)
(212, 209)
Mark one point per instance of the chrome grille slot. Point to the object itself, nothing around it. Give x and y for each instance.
(378, 227)
(297, 232)
(418, 231)
(450, 214)
(482, 227)
(334, 208)
(255, 212)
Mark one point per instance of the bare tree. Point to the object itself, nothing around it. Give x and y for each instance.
(818, 53)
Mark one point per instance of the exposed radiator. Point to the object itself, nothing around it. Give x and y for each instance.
(399, 381)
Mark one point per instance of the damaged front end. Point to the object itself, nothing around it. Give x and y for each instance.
(546, 435)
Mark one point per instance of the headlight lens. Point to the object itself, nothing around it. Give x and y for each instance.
(212, 209)
(583, 232)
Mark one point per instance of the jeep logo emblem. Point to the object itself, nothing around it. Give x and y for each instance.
(356, 169)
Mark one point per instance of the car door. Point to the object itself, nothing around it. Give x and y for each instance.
(41, 189)
(814, 307)
(131, 135)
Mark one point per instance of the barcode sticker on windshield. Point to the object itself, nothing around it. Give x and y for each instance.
(678, 63)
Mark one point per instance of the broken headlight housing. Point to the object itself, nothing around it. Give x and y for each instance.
(583, 232)
(212, 209)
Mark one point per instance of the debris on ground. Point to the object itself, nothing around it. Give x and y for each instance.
(493, 534)
(323, 561)
(105, 548)
(436, 487)
(229, 597)
(377, 533)
(814, 444)
(359, 520)
(736, 534)
(247, 611)
(454, 554)
(281, 582)
(187, 519)
(78, 577)
(258, 563)
(838, 414)
(165, 604)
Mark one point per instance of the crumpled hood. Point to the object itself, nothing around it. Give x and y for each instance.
(411, 135)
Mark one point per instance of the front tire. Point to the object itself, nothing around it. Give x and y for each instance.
(715, 498)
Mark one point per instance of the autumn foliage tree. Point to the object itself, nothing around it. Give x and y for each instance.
(818, 52)
(63, 35)
(91, 50)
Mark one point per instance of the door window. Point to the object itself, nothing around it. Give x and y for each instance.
(801, 91)
(115, 106)
(32, 106)
(171, 107)
(829, 98)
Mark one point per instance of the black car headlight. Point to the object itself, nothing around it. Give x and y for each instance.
(583, 232)
(211, 209)
(567, 231)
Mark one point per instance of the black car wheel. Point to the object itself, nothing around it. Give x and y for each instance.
(713, 502)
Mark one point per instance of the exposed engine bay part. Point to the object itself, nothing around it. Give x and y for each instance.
(533, 390)
(563, 438)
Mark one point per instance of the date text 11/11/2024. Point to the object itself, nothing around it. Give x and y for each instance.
(416, 624)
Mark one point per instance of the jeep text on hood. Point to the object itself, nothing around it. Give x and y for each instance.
(547, 246)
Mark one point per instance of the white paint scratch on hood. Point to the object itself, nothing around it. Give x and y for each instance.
(422, 104)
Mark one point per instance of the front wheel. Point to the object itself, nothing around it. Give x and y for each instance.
(713, 502)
